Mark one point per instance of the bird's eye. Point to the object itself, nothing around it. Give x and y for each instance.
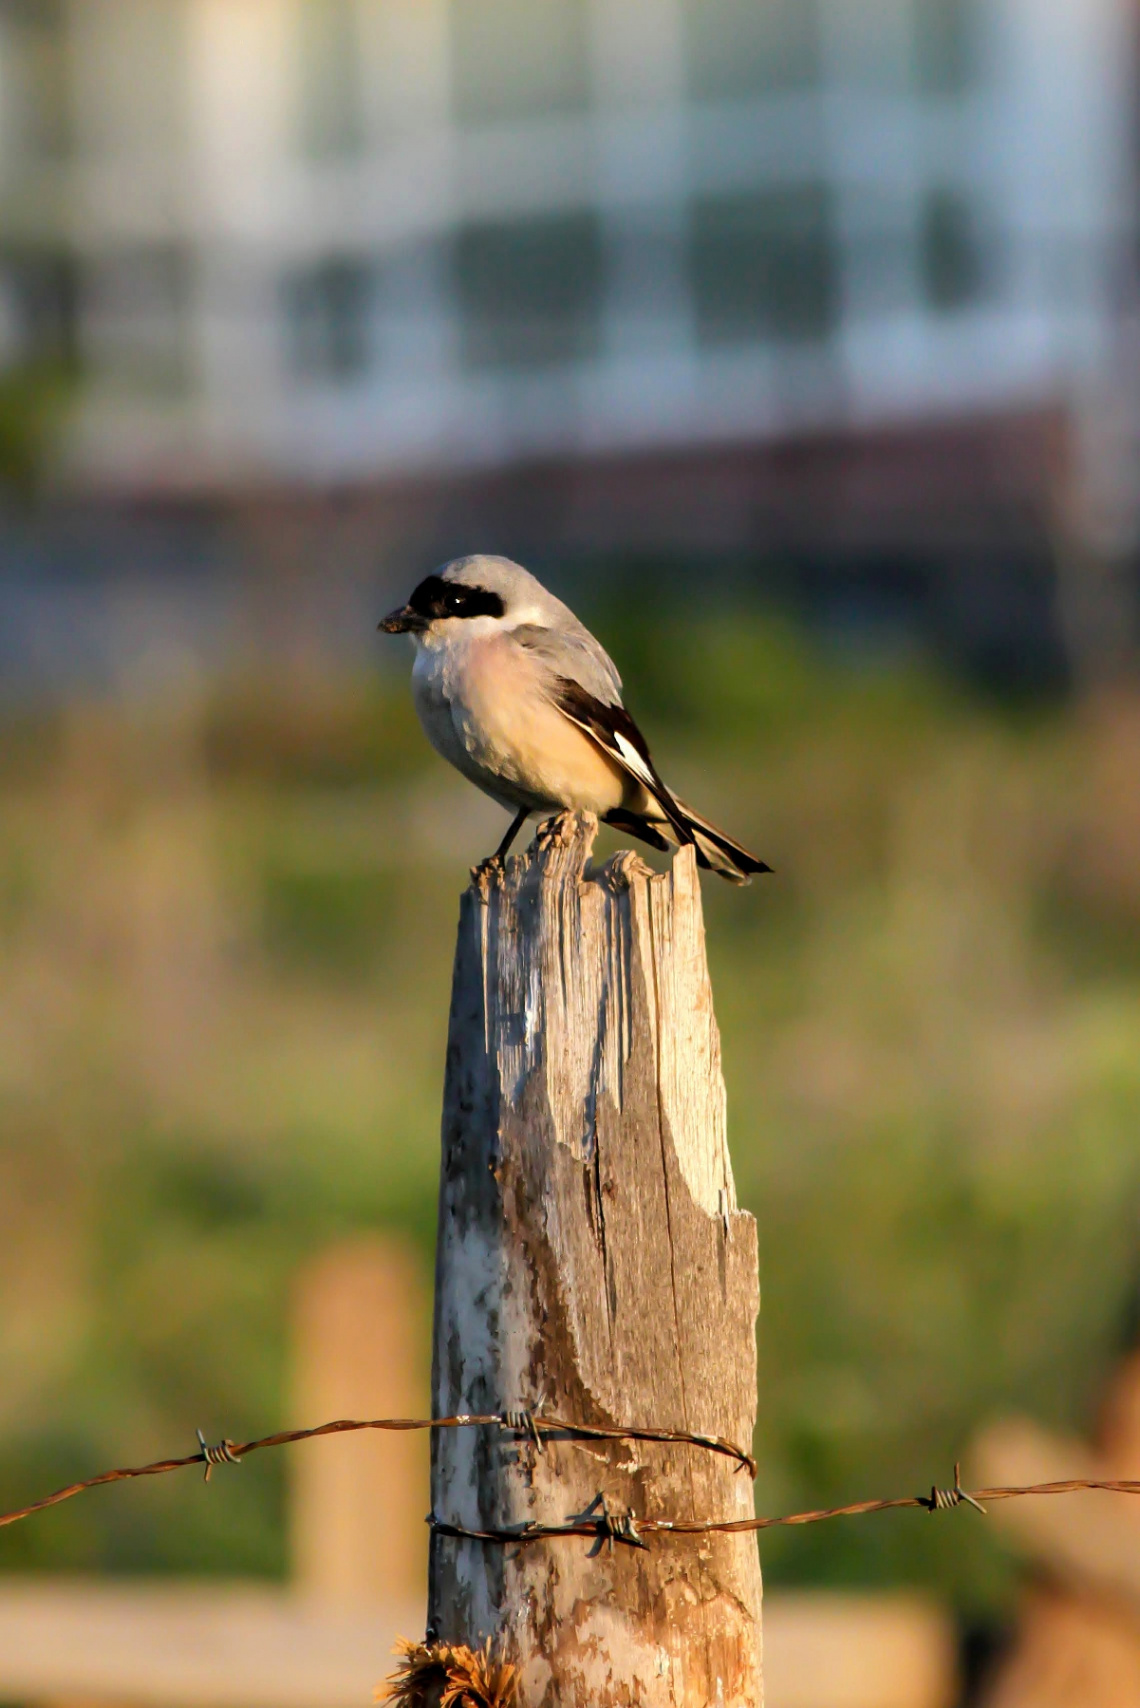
(455, 599)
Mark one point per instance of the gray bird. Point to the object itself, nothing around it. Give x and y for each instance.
(518, 695)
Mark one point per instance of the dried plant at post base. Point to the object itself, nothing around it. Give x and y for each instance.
(449, 1675)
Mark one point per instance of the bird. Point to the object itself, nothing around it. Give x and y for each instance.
(520, 697)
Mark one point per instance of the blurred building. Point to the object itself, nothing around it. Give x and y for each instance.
(640, 246)
(325, 239)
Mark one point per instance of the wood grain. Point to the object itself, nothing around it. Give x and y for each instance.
(592, 1260)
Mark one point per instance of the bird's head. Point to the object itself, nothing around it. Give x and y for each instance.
(492, 592)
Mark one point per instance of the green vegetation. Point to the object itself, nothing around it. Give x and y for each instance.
(34, 397)
(225, 943)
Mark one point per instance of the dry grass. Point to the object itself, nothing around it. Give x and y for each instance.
(449, 1675)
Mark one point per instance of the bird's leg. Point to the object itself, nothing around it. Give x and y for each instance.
(513, 829)
(494, 861)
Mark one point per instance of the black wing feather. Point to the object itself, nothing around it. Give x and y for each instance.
(612, 728)
(604, 723)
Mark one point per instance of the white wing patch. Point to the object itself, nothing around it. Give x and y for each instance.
(598, 721)
(632, 760)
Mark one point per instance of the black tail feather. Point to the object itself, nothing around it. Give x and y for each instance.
(721, 853)
(715, 851)
(637, 826)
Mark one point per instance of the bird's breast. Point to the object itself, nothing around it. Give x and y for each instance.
(473, 696)
(437, 684)
(484, 708)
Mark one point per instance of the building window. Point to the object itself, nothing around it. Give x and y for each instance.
(944, 44)
(35, 80)
(40, 294)
(329, 80)
(950, 251)
(514, 59)
(134, 318)
(738, 48)
(329, 312)
(530, 291)
(763, 264)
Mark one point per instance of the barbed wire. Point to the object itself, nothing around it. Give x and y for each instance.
(607, 1527)
(597, 1522)
(521, 1422)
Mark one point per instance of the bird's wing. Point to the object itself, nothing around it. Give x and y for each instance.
(571, 652)
(614, 731)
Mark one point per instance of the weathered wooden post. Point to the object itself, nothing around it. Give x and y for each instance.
(356, 1503)
(592, 1264)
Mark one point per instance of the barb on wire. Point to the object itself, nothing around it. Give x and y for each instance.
(224, 1453)
(524, 1423)
(619, 1527)
(941, 1500)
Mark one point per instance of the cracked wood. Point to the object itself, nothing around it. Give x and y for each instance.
(592, 1261)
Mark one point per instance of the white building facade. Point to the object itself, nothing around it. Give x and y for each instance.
(327, 240)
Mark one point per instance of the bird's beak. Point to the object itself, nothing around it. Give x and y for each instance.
(405, 621)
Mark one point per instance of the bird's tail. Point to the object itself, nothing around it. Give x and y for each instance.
(717, 852)
(679, 824)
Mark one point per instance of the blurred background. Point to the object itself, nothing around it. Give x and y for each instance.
(797, 343)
